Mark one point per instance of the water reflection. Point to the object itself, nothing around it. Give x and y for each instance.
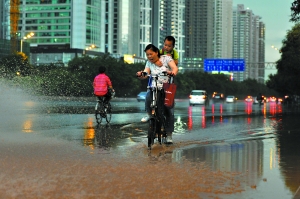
(202, 117)
(288, 150)
(100, 136)
(275, 108)
(244, 156)
(27, 126)
(220, 111)
(103, 136)
(89, 134)
(248, 108)
(269, 131)
(190, 118)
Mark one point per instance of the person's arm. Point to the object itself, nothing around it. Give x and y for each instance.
(176, 57)
(139, 73)
(176, 61)
(109, 84)
(174, 68)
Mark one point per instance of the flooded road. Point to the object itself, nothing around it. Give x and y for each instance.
(52, 148)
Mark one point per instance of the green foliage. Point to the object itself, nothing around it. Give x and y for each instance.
(15, 64)
(61, 82)
(197, 80)
(295, 9)
(287, 80)
(77, 79)
(122, 75)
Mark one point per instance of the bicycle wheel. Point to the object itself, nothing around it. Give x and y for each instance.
(151, 132)
(108, 113)
(98, 112)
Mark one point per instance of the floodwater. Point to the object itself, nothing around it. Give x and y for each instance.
(51, 149)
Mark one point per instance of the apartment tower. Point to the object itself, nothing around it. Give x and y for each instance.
(199, 32)
(223, 29)
(248, 42)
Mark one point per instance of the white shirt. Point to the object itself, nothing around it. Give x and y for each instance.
(164, 59)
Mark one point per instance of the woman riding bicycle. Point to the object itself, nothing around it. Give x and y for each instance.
(155, 65)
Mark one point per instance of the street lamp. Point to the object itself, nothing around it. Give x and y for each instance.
(24, 38)
(91, 47)
(275, 48)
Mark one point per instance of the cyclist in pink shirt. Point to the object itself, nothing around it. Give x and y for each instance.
(102, 85)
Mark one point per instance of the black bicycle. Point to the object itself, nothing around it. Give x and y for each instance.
(102, 110)
(157, 121)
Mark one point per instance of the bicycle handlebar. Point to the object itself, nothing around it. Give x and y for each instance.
(164, 73)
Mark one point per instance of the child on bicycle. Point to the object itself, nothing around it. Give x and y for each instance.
(103, 86)
(168, 49)
(168, 64)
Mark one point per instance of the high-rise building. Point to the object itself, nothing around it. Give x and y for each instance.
(121, 25)
(223, 29)
(199, 23)
(261, 52)
(172, 13)
(148, 21)
(5, 19)
(130, 25)
(248, 37)
(199, 32)
(61, 23)
(64, 29)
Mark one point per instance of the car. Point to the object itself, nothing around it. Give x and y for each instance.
(249, 99)
(231, 98)
(141, 96)
(198, 97)
(217, 97)
(272, 99)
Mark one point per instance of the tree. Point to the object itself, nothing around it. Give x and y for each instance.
(287, 80)
(15, 64)
(295, 8)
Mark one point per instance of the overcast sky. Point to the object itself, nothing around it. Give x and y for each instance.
(275, 14)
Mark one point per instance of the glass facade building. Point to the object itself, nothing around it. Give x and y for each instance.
(60, 22)
(67, 27)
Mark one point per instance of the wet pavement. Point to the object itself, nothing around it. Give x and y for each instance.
(51, 147)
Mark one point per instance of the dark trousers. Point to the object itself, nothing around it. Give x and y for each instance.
(107, 97)
(167, 112)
